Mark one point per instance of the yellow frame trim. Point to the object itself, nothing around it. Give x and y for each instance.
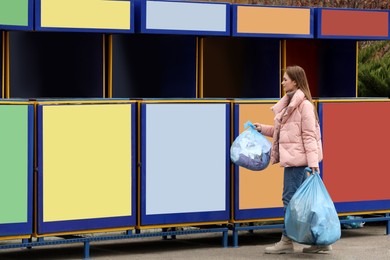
(357, 69)
(85, 102)
(183, 225)
(351, 100)
(15, 237)
(200, 67)
(185, 101)
(364, 212)
(84, 232)
(138, 222)
(252, 101)
(2, 63)
(258, 220)
(110, 74)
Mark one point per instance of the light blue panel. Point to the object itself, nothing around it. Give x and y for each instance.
(185, 158)
(186, 16)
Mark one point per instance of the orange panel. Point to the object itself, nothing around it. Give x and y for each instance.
(259, 189)
(273, 20)
(356, 150)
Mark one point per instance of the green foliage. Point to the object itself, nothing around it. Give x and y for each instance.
(374, 70)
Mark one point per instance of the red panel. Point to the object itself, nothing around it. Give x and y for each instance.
(356, 140)
(355, 23)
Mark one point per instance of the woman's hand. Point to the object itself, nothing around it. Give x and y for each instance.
(315, 169)
(257, 127)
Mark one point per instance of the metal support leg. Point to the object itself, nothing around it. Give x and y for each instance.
(27, 240)
(235, 236)
(251, 231)
(165, 237)
(225, 239)
(388, 224)
(86, 250)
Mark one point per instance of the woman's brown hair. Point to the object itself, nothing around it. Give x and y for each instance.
(297, 74)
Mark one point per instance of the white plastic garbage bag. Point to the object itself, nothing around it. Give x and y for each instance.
(251, 149)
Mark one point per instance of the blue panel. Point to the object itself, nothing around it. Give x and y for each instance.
(84, 224)
(141, 13)
(187, 217)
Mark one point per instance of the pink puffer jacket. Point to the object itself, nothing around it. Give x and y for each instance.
(296, 132)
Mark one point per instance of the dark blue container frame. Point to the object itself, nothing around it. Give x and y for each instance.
(140, 10)
(30, 21)
(26, 228)
(270, 35)
(38, 26)
(318, 23)
(248, 214)
(251, 214)
(181, 218)
(85, 224)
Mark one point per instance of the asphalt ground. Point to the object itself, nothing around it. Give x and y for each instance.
(369, 242)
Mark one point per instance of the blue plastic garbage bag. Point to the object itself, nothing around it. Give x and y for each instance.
(311, 217)
(251, 149)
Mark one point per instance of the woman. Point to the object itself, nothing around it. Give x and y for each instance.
(296, 143)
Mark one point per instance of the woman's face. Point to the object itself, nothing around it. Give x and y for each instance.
(288, 84)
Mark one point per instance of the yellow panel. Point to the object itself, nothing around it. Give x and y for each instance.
(259, 189)
(86, 161)
(273, 20)
(92, 14)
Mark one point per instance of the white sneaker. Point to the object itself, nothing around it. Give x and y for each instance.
(317, 249)
(284, 246)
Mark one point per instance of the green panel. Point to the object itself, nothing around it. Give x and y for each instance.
(13, 163)
(14, 12)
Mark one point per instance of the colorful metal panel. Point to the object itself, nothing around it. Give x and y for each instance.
(266, 21)
(258, 194)
(16, 14)
(353, 24)
(114, 16)
(184, 163)
(355, 142)
(86, 160)
(16, 169)
(174, 17)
